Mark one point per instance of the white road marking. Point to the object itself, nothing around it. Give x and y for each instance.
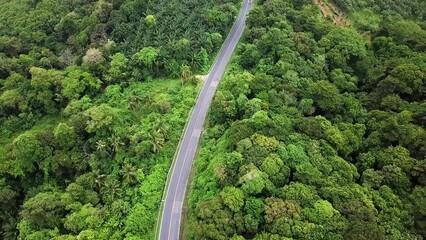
(214, 83)
(177, 206)
(196, 133)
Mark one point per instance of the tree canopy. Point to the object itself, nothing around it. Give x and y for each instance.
(319, 126)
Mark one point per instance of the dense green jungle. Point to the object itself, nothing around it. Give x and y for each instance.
(94, 96)
(317, 130)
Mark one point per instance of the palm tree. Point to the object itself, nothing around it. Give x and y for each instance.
(9, 231)
(148, 98)
(185, 73)
(134, 101)
(129, 173)
(98, 180)
(174, 68)
(157, 141)
(116, 143)
(86, 153)
(112, 189)
(163, 129)
(101, 146)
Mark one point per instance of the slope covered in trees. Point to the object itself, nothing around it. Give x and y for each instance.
(317, 132)
(414, 9)
(51, 34)
(87, 127)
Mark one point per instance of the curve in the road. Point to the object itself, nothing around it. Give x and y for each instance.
(174, 197)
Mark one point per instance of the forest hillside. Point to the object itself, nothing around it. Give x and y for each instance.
(318, 129)
(94, 96)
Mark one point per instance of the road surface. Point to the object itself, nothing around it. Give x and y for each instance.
(172, 209)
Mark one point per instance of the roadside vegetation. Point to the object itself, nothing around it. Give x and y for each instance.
(317, 131)
(409, 9)
(94, 96)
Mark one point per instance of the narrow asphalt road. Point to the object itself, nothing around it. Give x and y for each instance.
(172, 210)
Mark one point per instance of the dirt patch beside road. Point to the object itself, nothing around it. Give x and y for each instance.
(330, 9)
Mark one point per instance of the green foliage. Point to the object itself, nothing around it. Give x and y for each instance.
(253, 182)
(326, 95)
(65, 135)
(44, 210)
(27, 152)
(146, 57)
(319, 126)
(86, 217)
(178, 31)
(150, 21)
(78, 82)
(74, 113)
(405, 8)
(92, 159)
(233, 198)
(344, 48)
(225, 107)
(119, 67)
(317, 132)
(367, 20)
